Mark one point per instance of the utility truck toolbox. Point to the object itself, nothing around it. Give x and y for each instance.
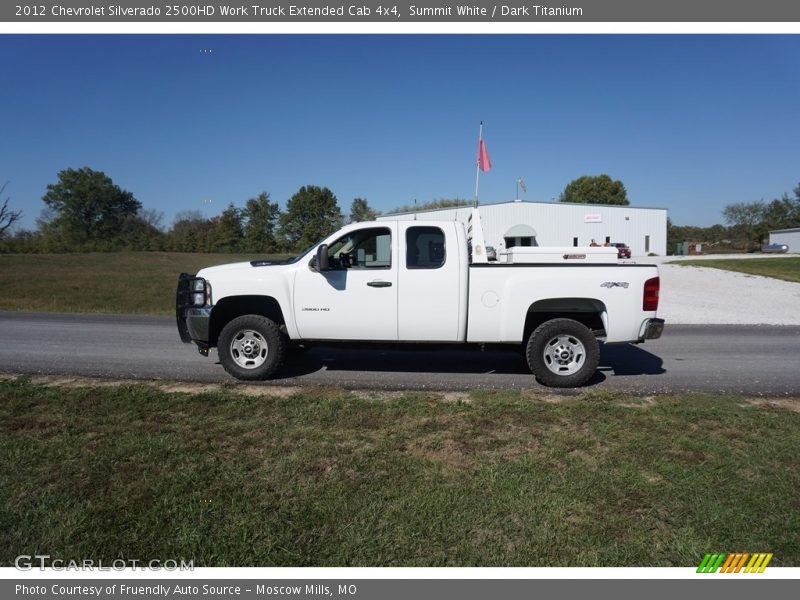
(559, 254)
(423, 282)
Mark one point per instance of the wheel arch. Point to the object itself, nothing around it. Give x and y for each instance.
(591, 312)
(231, 307)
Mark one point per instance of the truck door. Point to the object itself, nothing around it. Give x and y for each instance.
(430, 285)
(357, 298)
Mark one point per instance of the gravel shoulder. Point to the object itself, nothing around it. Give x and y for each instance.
(702, 295)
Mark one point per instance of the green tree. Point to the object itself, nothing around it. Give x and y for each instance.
(139, 232)
(262, 222)
(783, 212)
(311, 214)
(190, 232)
(227, 233)
(432, 205)
(361, 211)
(754, 220)
(86, 209)
(600, 189)
(711, 236)
(778, 213)
(747, 218)
(22, 241)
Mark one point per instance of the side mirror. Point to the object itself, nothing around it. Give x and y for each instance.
(320, 262)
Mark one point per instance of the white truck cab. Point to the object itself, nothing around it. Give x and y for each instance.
(422, 282)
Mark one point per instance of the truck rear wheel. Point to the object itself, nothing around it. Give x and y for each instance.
(562, 353)
(251, 347)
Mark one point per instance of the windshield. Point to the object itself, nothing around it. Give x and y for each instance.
(294, 259)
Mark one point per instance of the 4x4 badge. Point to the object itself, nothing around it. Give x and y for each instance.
(613, 284)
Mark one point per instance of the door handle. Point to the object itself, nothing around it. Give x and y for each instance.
(377, 283)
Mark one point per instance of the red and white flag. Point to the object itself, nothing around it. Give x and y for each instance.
(484, 162)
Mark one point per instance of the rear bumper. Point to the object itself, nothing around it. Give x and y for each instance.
(651, 329)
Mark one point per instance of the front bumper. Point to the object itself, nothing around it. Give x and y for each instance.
(651, 329)
(192, 320)
(197, 320)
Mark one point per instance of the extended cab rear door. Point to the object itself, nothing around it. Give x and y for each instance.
(357, 298)
(432, 282)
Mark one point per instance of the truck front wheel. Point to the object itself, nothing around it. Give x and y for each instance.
(562, 353)
(251, 347)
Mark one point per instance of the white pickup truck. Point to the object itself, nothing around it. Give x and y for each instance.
(422, 282)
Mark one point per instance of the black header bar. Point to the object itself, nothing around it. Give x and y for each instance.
(399, 11)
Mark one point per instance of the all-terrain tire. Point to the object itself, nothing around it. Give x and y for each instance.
(252, 347)
(562, 353)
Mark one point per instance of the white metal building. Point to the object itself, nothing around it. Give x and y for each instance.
(790, 237)
(508, 224)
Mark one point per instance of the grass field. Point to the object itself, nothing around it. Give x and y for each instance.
(115, 282)
(329, 478)
(144, 282)
(786, 268)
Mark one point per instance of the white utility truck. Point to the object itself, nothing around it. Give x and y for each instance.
(422, 282)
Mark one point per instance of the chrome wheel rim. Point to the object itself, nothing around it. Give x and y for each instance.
(249, 349)
(564, 354)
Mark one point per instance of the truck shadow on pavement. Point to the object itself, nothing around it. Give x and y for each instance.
(629, 359)
(616, 359)
(404, 361)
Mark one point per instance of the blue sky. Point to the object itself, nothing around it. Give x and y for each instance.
(195, 122)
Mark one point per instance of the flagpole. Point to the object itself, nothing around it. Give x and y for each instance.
(478, 165)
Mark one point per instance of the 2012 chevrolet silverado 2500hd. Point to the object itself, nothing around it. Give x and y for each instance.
(422, 282)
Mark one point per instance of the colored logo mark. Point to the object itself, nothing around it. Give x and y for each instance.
(743, 562)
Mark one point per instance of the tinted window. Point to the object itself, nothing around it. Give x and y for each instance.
(424, 248)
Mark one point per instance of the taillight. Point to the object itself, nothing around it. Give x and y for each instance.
(650, 296)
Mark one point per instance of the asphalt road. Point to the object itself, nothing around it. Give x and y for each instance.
(753, 360)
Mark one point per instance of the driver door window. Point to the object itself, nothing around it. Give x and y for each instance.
(362, 249)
